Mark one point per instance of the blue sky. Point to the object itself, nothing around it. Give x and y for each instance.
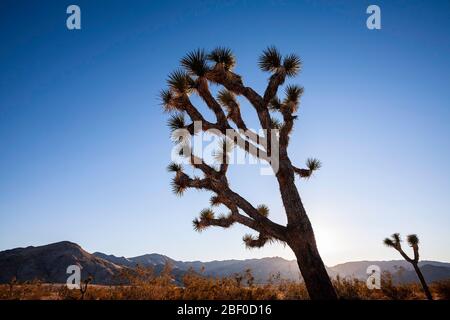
(84, 145)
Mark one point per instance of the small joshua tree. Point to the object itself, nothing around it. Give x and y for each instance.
(12, 283)
(413, 241)
(84, 286)
(200, 69)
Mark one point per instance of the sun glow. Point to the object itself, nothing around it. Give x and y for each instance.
(327, 243)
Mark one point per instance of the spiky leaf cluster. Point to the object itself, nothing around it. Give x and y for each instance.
(206, 216)
(207, 219)
(396, 237)
(394, 241)
(290, 102)
(215, 201)
(293, 94)
(195, 63)
(174, 167)
(223, 56)
(413, 240)
(313, 164)
(180, 82)
(176, 121)
(251, 241)
(271, 60)
(388, 242)
(166, 97)
(292, 65)
(178, 186)
(263, 210)
(227, 98)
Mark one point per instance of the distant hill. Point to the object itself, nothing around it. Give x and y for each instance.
(430, 272)
(262, 269)
(402, 270)
(48, 263)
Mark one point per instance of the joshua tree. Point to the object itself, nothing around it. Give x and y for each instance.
(199, 70)
(413, 241)
(84, 286)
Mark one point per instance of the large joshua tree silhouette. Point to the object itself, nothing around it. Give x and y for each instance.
(413, 241)
(199, 70)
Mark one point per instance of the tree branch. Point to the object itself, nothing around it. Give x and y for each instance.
(398, 247)
(204, 92)
(276, 80)
(258, 242)
(302, 173)
(233, 82)
(416, 253)
(264, 224)
(215, 128)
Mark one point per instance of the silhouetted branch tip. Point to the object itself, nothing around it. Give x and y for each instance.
(215, 201)
(396, 238)
(176, 121)
(174, 167)
(195, 63)
(166, 98)
(177, 188)
(293, 94)
(255, 242)
(313, 164)
(270, 60)
(263, 210)
(207, 214)
(292, 65)
(388, 242)
(180, 82)
(227, 99)
(223, 56)
(413, 240)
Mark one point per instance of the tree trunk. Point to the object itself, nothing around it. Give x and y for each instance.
(301, 238)
(422, 281)
(313, 270)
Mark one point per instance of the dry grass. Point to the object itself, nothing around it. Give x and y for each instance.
(441, 289)
(143, 284)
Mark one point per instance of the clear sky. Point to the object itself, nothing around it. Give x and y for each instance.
(84, 145)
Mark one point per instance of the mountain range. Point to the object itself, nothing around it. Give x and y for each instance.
(48, 263)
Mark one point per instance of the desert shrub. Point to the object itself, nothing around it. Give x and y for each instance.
(29, 290)
(291, 290)
(65, 293)
(350, 289)
(399, 291)
(196, 287)
(143, 284)
(237, 287)
(441, 289)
